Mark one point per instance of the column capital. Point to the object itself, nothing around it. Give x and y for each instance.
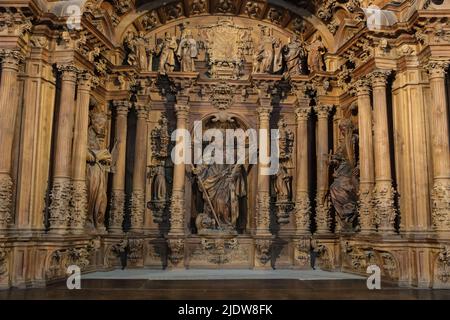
(182, 109)
(302, 113)
(85, 80)
(142, 110)
(323, 110)
(68, 72)
(361, 86)
(122, 107)
(11, 59)
(436, 68)
(379, 77)
(264, 111)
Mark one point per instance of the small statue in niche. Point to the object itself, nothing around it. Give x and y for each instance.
(294, 53)
(141, 51)
(99, 161)
(283, 185)
(187, 52)
(159, 185)
(166, 51)
(160, 140)
(344, 189)
(129, 43)
(316, 52)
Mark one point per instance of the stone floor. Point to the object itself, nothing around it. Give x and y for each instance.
(221, 284)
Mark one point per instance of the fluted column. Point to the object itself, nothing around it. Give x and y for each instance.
(9, 93)
(79, 152)
(61, 193)
(302, 203)
(263, 192)
(177, 223)
(366, 164)
(384, 192)
(139, 170)
(323, 204)
(117, 207)
(440, 146)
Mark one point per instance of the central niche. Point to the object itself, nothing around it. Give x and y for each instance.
(220, 188)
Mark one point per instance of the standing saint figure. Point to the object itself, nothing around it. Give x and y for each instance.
(294, 52)
(316, 54)
(159, 185)
(344, 189)
(225, 185)
(166, 51)
(283, 185)
(264, 55)
(187, 52)
(98, 164)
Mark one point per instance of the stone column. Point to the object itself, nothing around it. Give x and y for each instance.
(139, 170)
(61, 193)
(384, 192)
(366, 164)
(440, 146)
(302, 204)
(9, 94)
(177, 223)
(263, 196)
(118, 181)
(80, 145)
(323, 203)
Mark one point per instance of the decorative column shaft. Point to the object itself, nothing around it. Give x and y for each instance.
(118, 181)
(61, 193)
(177, 223)
(440, 195)
(79, 153)
(263, 192)
(302, 203)
(383, 193)
(366, 218)
(9, 94)
(139, 170)
(323, 204)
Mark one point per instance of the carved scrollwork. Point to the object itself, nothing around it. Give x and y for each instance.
(263, 250)
(219, 251)
(4, 262)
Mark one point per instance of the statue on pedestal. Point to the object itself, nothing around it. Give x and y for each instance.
(166, 51)
(187, 52)
(267, 58)
(316, 52)
(294, 53)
